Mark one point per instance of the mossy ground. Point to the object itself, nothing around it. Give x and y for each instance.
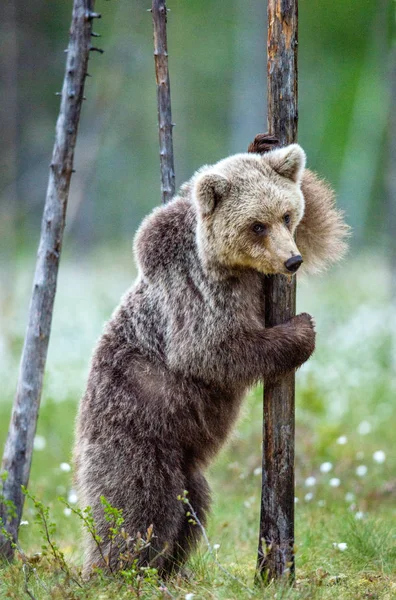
(345, 417)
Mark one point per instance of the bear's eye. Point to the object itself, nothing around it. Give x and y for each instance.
(287, 219)
(259, 228)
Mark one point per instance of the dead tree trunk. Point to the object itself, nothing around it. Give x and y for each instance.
(19, 446)
(276, 544)
(165, 125)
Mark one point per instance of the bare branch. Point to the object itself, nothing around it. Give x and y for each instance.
(165, 124)
(19, 446)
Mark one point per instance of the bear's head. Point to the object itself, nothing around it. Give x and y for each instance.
(249, 207)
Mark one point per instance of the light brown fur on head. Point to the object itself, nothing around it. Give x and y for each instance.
(241, 195)
(322, 233)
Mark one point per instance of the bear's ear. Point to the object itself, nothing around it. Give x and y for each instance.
(288, 162)
(209, 190)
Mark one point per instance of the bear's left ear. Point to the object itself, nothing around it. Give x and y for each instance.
(288, 162)
(210, 188)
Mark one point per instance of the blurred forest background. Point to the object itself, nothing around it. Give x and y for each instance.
(217, 64)
(345, 459)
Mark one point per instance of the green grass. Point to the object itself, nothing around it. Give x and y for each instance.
(346, 390)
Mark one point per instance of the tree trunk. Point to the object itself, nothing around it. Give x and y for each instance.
(19, 446)
(165, 124)
(276, 543)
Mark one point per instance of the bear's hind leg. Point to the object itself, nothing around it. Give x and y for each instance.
(157, 505)
(144, 482)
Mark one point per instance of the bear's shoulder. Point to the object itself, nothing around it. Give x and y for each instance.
(165, 238)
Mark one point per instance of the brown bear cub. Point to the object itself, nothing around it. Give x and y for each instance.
(188, 340)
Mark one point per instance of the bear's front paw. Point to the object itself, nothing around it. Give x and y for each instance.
(304, 326)
(303, 321)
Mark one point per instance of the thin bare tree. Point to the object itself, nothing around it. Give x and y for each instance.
(165, 125)
(276, 541)
(19, 445)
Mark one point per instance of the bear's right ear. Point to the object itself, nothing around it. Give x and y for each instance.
(209, 190)
(288, 161)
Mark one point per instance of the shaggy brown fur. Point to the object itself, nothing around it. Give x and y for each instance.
(321, 234)
(188, 339)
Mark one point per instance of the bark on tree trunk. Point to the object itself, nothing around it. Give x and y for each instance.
(165, 124)
(276, 543)
(19, 445)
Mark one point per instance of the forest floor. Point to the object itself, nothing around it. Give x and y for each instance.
(345, 457)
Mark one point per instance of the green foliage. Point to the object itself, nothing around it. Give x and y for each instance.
(7, 511)
(50, 562)
(47, 529)
(218, 94)
(117, 539)
(372, 544)
(8, 506)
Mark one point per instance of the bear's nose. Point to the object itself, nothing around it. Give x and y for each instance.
(293, 263)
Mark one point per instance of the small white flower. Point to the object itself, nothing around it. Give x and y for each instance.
(342, 440)
(341, 546)
(257, 471)
(349, 497)
(189, 596)
(326, 467)
(310, 481)
(359, 515)
(39, 442)
(334, 482)
(67, 511)
(361, 470)
(379, 456)
(247, 504)
(308, 497)
(24, 522)
(364, 428)
(72, 497)
(65, 467)
(321, 503)
(216, 546)
(296, 500)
